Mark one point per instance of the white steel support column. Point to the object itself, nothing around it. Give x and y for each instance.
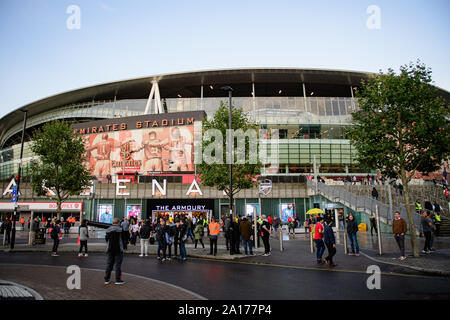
(304, 96)
(154, 92)
(254, 96)
(201, 97)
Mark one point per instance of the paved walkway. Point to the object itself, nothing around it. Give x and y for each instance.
(54, 287)
(437, 263)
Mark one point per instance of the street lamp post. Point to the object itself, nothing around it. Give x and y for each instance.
(230, 142)
(16, 200)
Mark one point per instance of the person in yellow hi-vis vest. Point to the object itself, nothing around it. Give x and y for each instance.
(214, 230)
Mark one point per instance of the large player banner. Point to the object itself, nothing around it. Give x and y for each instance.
(168, 149)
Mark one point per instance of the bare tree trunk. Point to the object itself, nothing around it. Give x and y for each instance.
(58, 209)
(412, 229)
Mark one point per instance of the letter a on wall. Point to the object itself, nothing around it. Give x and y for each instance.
(197, 188)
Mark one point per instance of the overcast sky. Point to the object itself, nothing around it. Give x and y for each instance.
(40, 56)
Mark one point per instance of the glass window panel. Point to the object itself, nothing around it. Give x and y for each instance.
(336, 107)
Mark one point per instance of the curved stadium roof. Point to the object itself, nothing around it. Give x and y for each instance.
(188, 83)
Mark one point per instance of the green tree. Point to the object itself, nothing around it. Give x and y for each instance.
(401, 127)
(218, 174)
(60, 166)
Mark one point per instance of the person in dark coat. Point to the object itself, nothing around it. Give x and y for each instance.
(233, 231)
(330, 242)
(352, 229)
(374, 193)
(114, 252)
(159, 231)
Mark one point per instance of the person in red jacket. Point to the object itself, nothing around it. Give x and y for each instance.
(269, 218)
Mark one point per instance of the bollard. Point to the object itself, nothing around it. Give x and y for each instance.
(311, 241)
(281, 239)
(345, 243)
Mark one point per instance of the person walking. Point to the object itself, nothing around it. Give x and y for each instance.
(198, 235)
(34, 230)
(427, 229)
(55, 234)
(399, 230)
(352, 229)
(330, 242)
(114, 252)
(318, 240)
(245, 229)
(214, 230)
(373, 224)
(22, 222)
(144, 236)
(265, 234)
(374, 193)
(190, 228)
(83, 233)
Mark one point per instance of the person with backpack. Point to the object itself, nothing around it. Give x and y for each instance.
(83, 233)
(198, 235)
(55, 234)
(114, 252)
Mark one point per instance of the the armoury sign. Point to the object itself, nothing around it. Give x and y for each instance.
(143, 144)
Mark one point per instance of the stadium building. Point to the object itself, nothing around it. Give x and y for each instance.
(142, 130)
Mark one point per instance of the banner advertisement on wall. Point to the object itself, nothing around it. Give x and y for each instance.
(105, 213)
(133, 211)
(287, 210)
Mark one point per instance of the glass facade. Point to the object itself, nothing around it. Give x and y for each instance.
(308, 127)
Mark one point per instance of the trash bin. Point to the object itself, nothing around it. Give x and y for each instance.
(362, 227)
(40, 236)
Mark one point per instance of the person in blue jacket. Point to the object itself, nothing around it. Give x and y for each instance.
(330, 242)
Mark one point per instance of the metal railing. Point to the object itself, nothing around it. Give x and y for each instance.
(361, 203)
